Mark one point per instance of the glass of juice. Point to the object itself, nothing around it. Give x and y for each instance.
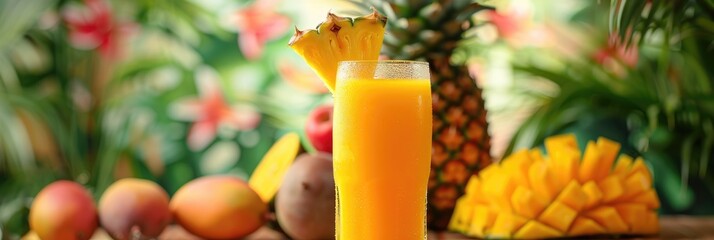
(382, 148)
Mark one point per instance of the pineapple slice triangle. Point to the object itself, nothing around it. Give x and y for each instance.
(339, 39)
(566, 193)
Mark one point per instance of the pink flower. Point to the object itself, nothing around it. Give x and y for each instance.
(209, 111)
(258, 24)
(92, 26)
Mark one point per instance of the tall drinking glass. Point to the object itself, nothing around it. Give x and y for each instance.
(382, 149)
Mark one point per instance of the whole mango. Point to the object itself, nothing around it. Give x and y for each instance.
(218, 207)
(63, 210)
(134, 206)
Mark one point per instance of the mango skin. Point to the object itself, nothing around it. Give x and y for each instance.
(63, 210)
(218, 207)
(132, 204)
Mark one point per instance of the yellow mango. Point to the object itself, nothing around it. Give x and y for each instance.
(527, 204)
(487, 172)
(481, 219)
(460, 220)
(623, 165)
(573, 196)
(558, 216)
(589, 165)
(536, 230)
(558, 142)
(608, 151)
(474, 193)
(632, 214)
(640, 166)
(536, 155)
(531, 195)
(500, 187)
(611, 188)
(648, 198)
(585, 226)
(635, 184)
(652, 225)
(540, 182)
(609, 218)
(564, 163)
(593, 193)
(506, 225)
(517, 166)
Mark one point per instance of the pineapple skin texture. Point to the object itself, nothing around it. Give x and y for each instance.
(564, 194)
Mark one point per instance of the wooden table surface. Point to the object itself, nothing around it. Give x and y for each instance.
(672, 227)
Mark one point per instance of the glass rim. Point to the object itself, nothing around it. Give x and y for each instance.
(388, 61)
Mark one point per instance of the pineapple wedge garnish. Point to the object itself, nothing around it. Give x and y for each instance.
(563, 194)
(339, 39)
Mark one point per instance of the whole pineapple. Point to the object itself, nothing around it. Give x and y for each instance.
(429, 30)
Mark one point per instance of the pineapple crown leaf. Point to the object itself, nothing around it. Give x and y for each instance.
(295, 36)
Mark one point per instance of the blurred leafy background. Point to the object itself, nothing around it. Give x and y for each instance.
(170, 90)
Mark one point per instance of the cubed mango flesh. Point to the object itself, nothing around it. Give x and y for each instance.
(482, 218)
(558, 216)
(594, 194)
(573, 196)
(583, 226)
(536, 230)
(608, 217)
(527, 204)
(611, 188)
(506, 225)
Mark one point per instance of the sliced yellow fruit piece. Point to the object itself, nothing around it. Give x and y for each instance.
(536, 155)
(609, 218)
(611, 188)
(482, 218)
(536, 230)
(636, 184)
(564, 163)
(540, 182)
(474, 191)
(506, 225)
(652, 225)
(489, 171)
(590, 163)
(564, 141)
(640, 166)
(558, 216)
(623, 165)
(648, 198)
(268, 175)
(460, 220)
(608, 151)
(583, 226)
(594, 194)
(339, 39)
(527, 204)
(632, 214)
(573, 196)
(500, 187)
(517, 165)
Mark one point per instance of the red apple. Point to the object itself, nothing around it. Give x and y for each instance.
(319, 128)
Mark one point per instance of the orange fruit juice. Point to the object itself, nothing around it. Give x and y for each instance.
(382, 148)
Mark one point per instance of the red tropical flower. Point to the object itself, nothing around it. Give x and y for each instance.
(258, 24)
(616, 51)
(209, 111)
(92, 26)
